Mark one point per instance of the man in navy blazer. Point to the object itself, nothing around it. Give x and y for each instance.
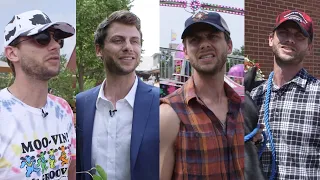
(118, 121)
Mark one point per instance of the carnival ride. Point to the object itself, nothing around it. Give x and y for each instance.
(175, 70)
(196, 5)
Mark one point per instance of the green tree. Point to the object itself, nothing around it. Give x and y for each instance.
(62, 84)
(239, 52)
(89, 14)
(6, 79)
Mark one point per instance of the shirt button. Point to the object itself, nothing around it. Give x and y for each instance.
(277, 113)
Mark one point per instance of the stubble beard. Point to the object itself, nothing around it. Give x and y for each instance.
(287, 61)
(218, 67)
(114, 67)
(37, 71)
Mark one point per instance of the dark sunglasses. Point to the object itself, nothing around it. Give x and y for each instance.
(44, 38)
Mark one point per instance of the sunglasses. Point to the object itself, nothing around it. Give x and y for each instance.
(44, 38)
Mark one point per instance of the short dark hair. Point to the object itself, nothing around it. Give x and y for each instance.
(122, 16)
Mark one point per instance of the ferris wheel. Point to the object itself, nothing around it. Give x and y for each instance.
(196, 5)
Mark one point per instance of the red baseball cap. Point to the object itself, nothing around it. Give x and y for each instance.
(302, 19)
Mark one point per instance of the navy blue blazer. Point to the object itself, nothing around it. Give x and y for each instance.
(144, 150)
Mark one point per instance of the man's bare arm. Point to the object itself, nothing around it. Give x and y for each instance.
(169, 129)
(72, 170)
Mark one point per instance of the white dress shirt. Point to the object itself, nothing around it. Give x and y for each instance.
(112, 135)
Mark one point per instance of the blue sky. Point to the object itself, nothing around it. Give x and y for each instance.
(57, 10)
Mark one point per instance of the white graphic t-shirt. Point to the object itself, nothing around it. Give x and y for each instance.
(35, 146)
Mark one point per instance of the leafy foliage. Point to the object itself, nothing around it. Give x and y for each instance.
(101, 175)
(248, 64)
(239, 52)
(101, 172)
(62, 84)
(89, 14)
(6, 79)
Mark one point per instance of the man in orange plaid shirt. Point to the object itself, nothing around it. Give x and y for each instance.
(201, 124)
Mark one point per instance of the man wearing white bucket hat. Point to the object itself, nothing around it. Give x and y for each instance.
(37, 136)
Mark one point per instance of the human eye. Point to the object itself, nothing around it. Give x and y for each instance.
(213, 36)
(282, 31)
(300, 36)
(117, 40)
(135, 41)
(193, 39)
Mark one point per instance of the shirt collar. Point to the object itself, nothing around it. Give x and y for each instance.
(300, 79)
(130, 97)
(190, 93)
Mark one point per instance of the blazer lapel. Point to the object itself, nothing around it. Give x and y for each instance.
(141, 110)
(88, 119)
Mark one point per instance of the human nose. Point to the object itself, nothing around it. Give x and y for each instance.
(128, 46)
(290, 38)
(54, 44)
(204, 44)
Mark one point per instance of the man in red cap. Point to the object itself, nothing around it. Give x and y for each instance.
(291, 101)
